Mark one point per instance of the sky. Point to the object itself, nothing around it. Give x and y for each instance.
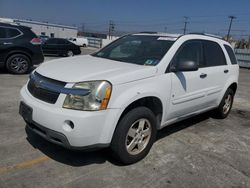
(210, 16)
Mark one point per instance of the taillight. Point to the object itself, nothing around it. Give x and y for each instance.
(36, 41)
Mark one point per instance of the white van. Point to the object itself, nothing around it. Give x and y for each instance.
(79, 41)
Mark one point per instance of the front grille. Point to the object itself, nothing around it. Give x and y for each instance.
(41, 93)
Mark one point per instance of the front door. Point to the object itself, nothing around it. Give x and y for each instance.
(188, 93)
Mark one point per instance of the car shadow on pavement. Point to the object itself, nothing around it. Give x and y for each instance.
(82, 158)
(171, 129)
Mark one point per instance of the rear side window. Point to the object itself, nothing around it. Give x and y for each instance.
(12, 32)
(213, 53)
(6, 32)
(231, 54)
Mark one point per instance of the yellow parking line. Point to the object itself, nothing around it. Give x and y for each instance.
(25, 164)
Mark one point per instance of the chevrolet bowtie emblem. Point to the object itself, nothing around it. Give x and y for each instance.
(38, 83)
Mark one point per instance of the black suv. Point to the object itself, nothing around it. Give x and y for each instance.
(20, 48)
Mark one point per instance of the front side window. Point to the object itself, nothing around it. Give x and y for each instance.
(231, 54)
(61, 41)
(214, 55)
(52, 41)
(190, 51)
(136, 49)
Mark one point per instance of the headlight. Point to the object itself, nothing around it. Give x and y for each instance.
(98, 98)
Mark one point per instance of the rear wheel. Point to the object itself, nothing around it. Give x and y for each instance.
(84, 45)
(134, 135)
(18, 64)
(225, 105)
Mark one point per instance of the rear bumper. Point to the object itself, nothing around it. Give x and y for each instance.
(37, 58)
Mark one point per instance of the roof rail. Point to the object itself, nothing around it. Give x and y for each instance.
(208, 34)
(149, 32)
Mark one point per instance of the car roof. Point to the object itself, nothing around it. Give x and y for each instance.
(157, 34)
(14, 25)
(206, 36)
(57, 38)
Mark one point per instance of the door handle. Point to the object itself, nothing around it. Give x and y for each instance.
(203, 75)
(226, 71)
(7, 43)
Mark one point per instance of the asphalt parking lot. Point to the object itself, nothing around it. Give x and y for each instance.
(198, 152)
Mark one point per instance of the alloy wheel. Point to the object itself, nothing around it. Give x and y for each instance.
(138, 136)
(228, 103)
(19, 65)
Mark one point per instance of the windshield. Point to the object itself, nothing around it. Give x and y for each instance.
(137, 49)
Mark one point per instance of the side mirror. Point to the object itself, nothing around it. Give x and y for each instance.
(185, 66)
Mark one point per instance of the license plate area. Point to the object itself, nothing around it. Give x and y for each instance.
(26, 112)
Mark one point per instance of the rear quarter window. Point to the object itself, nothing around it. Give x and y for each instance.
(214, 56)
(12, 32)
(230, 54)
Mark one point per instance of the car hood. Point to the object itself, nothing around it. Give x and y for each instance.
(86, 67)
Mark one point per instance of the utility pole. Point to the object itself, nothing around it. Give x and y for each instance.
(230, 25)
(165, 29)
(249, 42)
(111, 28)
(83, 27)
(185, 24)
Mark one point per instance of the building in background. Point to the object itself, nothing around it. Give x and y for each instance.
(44, 28)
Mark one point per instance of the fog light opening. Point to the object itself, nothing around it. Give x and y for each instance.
(68, 125)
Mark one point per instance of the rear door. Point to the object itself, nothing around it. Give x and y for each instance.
(216, 69)
(63, 46)
(9, 37)
(3, 36)
(50, 46)
(188, 92)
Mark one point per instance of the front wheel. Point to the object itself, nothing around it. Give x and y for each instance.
(225, 105)
(134, 135)
(70, 53)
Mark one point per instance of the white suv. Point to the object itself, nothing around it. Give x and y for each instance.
(121, 95)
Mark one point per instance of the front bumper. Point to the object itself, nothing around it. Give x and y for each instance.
(59, 138)
(91, 129)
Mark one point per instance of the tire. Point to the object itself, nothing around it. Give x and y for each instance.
(226, 104)
(139, 145)
(84, 45)
(69, 53)
(18, 64)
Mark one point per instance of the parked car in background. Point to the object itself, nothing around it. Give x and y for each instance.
(20, 48)
(43, 38)
(121, 95)
(79, 41)
(61, 47)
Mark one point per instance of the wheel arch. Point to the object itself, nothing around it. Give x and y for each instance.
(14, 52)
(233, 86)
(154, 103)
